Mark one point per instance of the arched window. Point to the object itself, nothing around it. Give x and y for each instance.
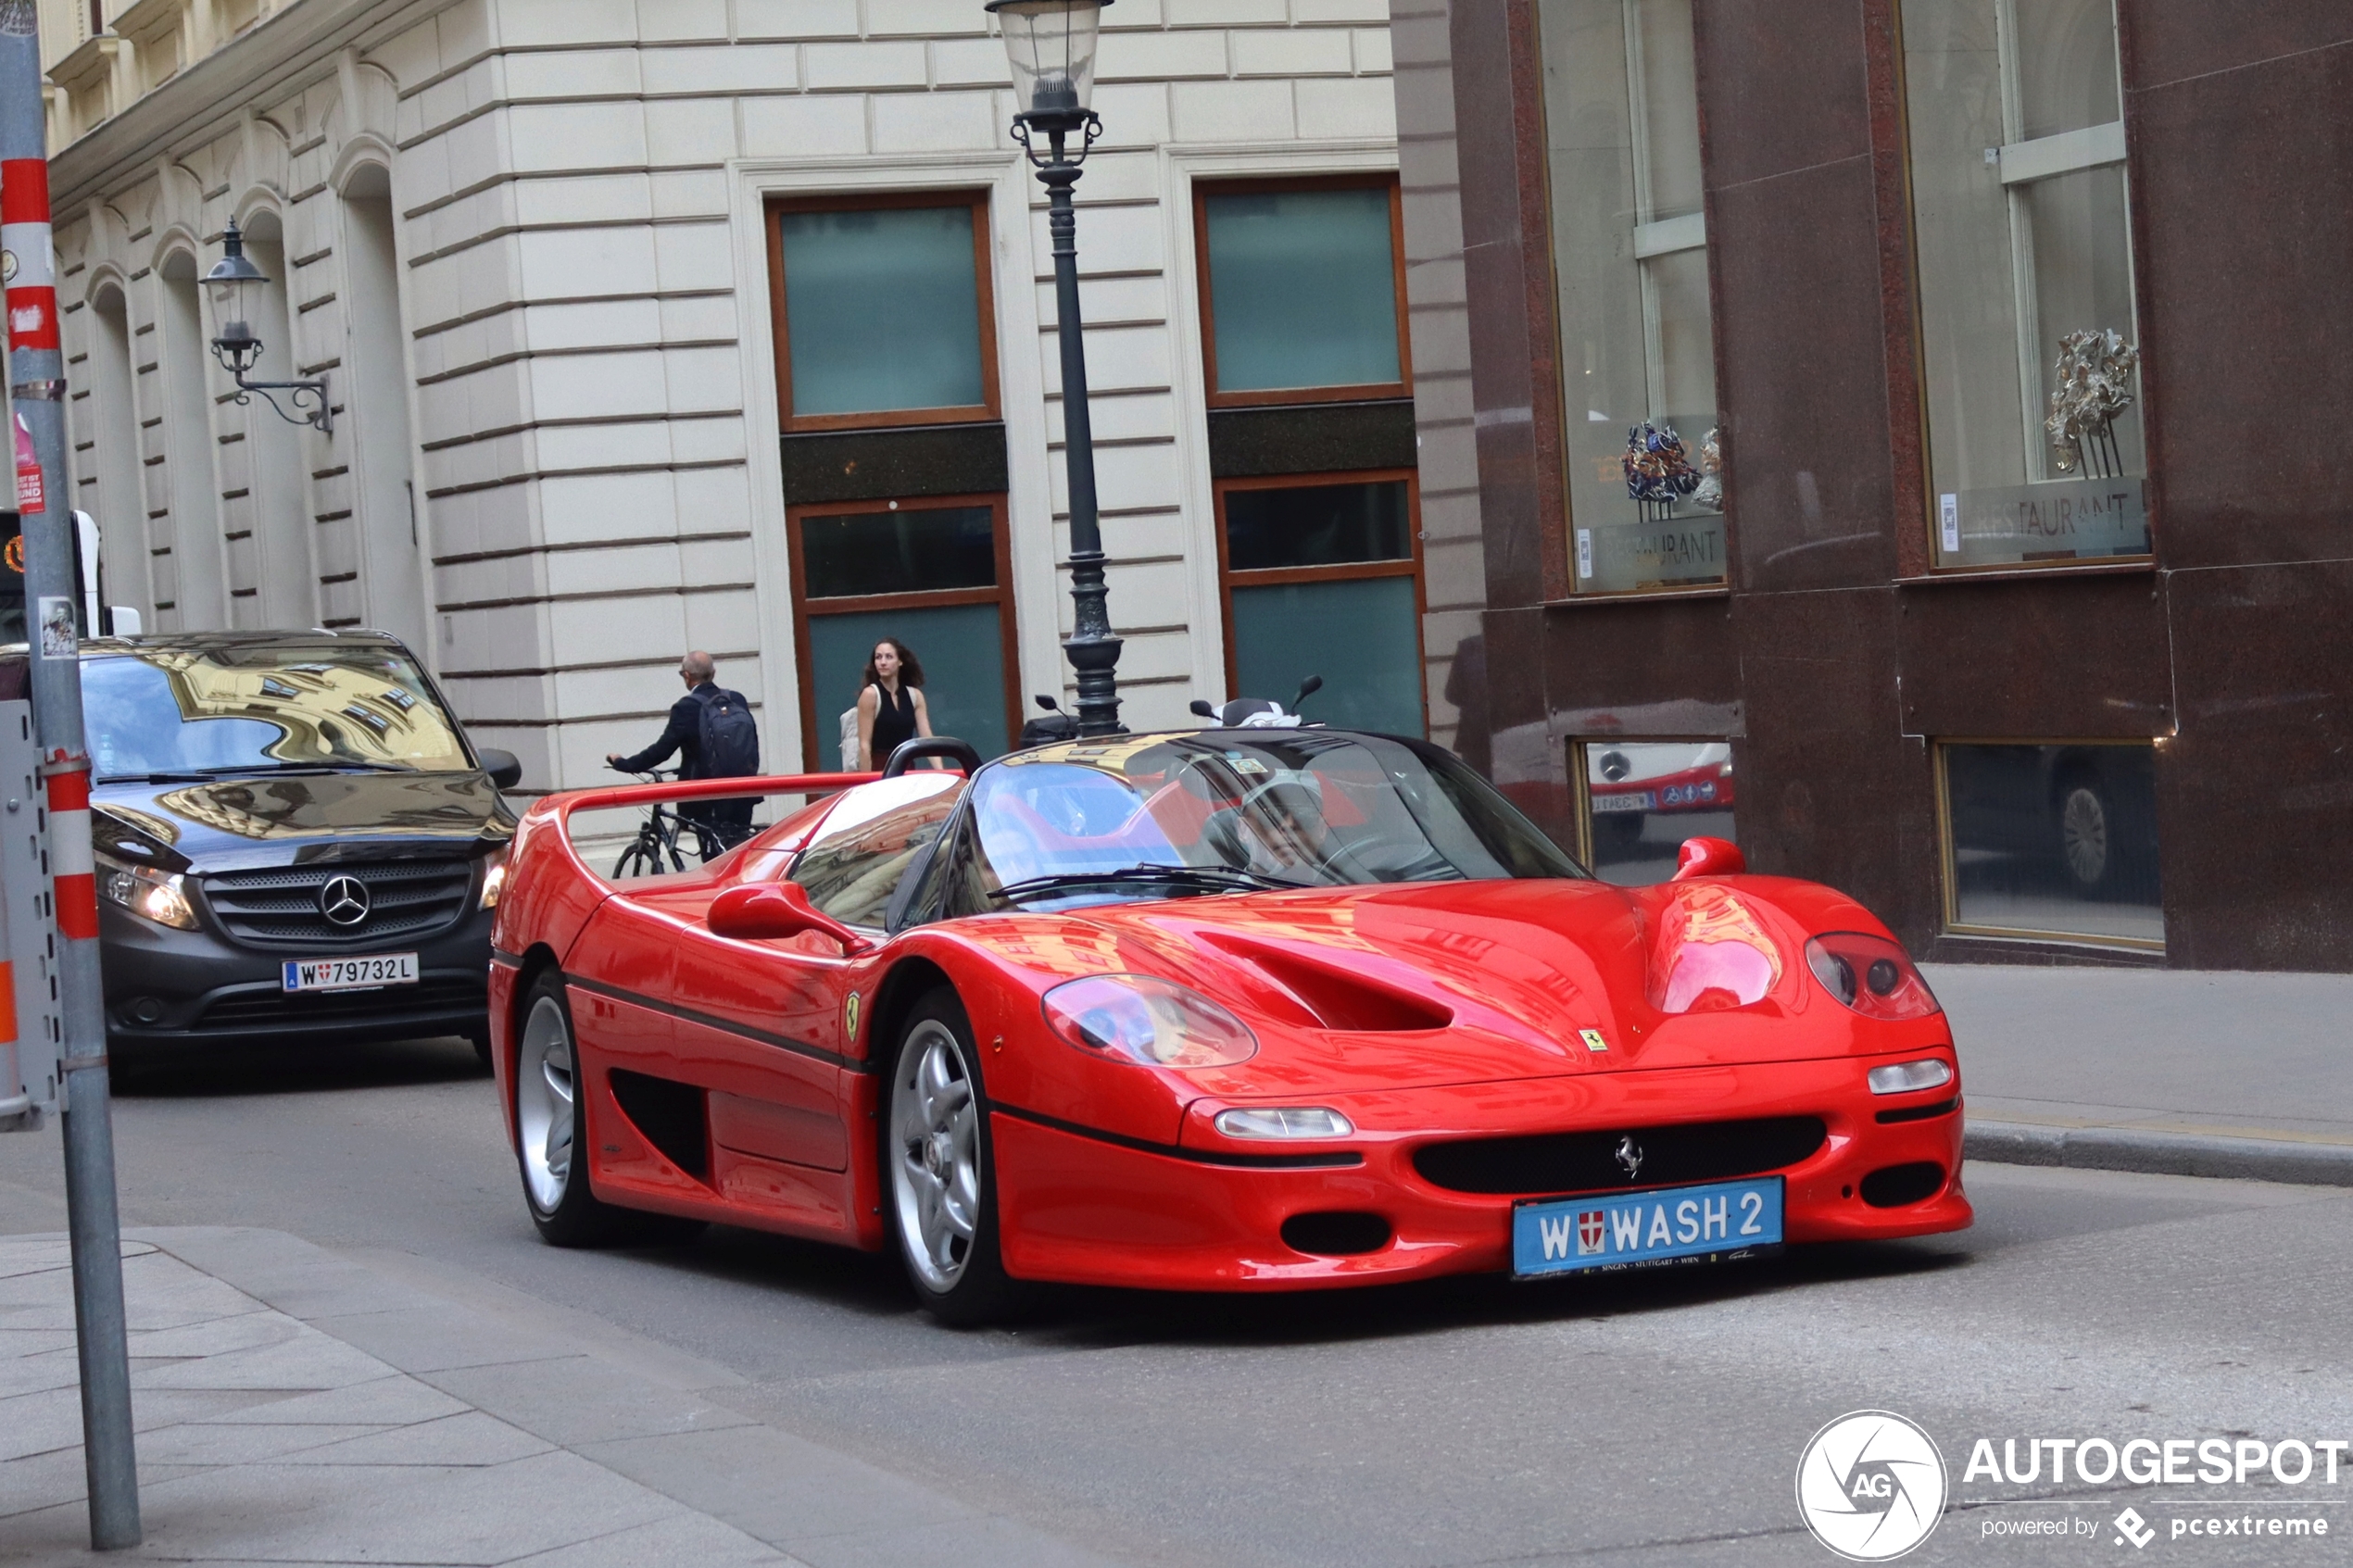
(113, 432)
(392, 566)
(273, 454)
(193, 588)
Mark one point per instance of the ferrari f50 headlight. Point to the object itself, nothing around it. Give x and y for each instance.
(1870, 975)
(1911, 1077)
(154, 894)
(1148, 1022)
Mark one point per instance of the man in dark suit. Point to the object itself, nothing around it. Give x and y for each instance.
(727, 823)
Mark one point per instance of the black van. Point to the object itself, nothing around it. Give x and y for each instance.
(295, 840)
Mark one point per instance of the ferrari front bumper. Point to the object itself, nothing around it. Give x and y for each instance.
(1081, 1208)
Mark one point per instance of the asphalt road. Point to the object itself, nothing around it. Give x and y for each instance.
(1653, 1418)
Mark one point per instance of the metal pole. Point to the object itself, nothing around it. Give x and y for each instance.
(1092, 650)
(36, 377)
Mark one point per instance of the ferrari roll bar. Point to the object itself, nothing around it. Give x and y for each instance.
(915, 750)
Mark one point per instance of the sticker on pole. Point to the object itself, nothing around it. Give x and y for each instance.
(31, 495)
(57, 637)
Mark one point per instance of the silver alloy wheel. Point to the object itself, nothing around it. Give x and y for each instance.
(2083, 834)
(935, 1167)
(545, 1113)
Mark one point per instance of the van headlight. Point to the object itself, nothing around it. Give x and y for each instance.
(161, 897)
(494, 879)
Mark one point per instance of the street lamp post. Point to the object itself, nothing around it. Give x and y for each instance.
(1052, 43)
(235, 281)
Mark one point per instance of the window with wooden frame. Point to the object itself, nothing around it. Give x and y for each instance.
(1645, 491)
(883, 310)
(2024, 246)
(935, 573)
(2054, 839)
(1302, 290)
(1641, 799)
(1320, 575)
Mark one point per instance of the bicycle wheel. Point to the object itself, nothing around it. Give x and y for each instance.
(640, 858)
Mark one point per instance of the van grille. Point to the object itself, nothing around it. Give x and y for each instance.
(262, 1009)
(279, 906)
(1694, 1151)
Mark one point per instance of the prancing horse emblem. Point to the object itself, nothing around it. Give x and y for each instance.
(1630, 1155)
(850, 1018)
(344, 900)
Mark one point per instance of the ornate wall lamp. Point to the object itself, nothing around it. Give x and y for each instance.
(234, 280)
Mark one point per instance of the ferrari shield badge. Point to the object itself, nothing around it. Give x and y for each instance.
(1594, 1039)
(849, 1018)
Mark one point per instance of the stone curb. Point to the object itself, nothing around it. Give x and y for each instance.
(2162, 1154)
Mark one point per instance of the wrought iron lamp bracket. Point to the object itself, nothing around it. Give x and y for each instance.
(319, 416)
(1057, 127)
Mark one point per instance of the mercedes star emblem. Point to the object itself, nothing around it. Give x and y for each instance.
(1630, 1155)
(1615, 766)
(345, 902)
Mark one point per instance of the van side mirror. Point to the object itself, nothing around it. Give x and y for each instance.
(1202, 710)
(768, 911)
(1708, 857)
(504, 767)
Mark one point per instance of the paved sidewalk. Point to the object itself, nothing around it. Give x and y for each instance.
(294, 1407)
(2179, 1071)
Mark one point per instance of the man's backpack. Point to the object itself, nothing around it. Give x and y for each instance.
(728, 743)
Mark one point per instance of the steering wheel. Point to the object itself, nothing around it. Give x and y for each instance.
(1365, 855)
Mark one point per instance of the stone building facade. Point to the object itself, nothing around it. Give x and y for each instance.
(531, 246)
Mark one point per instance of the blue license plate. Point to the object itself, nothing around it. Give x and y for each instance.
(1696, 1224)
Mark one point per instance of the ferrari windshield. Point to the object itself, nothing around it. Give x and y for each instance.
(184, 712)
(1219, 813)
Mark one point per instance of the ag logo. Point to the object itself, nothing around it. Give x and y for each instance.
(849, 1018)
(1870, 1486)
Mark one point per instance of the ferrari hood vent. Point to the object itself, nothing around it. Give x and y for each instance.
(1316, 996)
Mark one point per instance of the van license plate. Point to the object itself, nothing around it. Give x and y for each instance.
(351, 974)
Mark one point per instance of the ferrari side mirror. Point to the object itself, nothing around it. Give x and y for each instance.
(765, 911)
(1709, 857)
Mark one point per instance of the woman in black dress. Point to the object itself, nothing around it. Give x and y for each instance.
(890, 703)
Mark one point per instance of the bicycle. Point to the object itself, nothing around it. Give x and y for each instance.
(658, 837)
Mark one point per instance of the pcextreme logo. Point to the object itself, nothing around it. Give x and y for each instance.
(1870, 1486)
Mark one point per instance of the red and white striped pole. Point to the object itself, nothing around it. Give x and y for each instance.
(36, 382)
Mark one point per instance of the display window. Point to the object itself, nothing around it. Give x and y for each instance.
(933, 573)
(1645, 489)
(1322, 576)
(2052, 839)
(1641, 799)
(884, 314)
(1302, 290)
(2022, 237)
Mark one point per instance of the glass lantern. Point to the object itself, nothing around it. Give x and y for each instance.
(234, 282)
(1052, 45)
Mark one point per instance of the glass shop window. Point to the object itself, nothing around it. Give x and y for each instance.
(2020, 214)
(1322, 577)
(2053, 841)
(1629, 255)
(933, 573)
(1301, 300)
(886, 317)
(1643, 798)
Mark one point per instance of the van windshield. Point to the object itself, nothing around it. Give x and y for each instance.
(160, 715)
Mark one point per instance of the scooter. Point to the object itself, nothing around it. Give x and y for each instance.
(1258, 712)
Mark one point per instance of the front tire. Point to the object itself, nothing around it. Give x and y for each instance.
(551, 1128)
(939, 1169)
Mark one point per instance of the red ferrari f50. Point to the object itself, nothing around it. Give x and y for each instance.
(1219, 1010)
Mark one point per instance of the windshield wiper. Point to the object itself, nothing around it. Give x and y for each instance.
(1223, 879)
(274, 770)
